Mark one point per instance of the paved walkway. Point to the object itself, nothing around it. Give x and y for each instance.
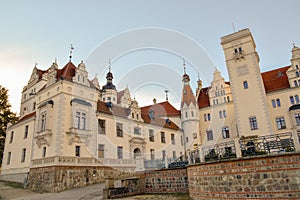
(91, 192)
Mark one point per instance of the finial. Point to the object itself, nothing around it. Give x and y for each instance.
(233, 27)
(109, 65)
(198, 76)
(154, 100)
(166, 91)
(71, 51)
(35, 64)
(294, 45)
(55, 60)
(184, 66)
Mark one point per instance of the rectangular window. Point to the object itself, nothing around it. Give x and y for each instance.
(208, 117)
(83, 119)
(163, 154)
(173, 138)
(297, 99)
(120, 152)
(80, 120)
(225, 132)
(209, 135)
(253, 123)
(192, 113)
(101, 126)
(174, 154)
(292, 100)
(44, 152)
(181, 140)
(205, 119)
(11, 137)
(77, 151)
(137, 130)
(280, 123)
(43, 121)
(220, 114)
(101, 151)
(273, 103)
(8, 158)
(187, 139)
(224, 114)
(151, 135)
(245, 84)
(152, 156)
(278, 102)
(23, 155)
(162, 137)
(186, 114)
(119, 128)
(297, 118)
(228, 99)
(26, 131)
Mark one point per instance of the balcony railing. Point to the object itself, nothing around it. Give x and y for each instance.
(220, 151)
(82, 161)
(277, 143)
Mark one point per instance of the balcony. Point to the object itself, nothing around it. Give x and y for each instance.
(79, 136)
(43, 137)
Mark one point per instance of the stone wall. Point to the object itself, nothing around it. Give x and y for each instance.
(166, 181)
(59, 178)
(262, 177)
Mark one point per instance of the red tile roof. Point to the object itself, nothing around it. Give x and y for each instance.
(273, 80)
(125, 112)
(160, 122)
(187, 96)
(28, 116)
(276, 79)
(162, 109)
(203, 99)
(67, 72)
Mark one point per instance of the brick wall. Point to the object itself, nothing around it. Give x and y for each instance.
(276, 177)
(166, 181)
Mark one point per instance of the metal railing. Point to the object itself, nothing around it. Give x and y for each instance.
(220, 151)
(276, 143)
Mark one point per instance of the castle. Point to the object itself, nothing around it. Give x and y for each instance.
(68, 120)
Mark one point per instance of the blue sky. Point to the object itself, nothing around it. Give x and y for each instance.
(39, 31)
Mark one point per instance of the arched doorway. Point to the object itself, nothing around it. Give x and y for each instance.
(136, 153)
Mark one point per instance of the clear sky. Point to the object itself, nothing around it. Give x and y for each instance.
(35, 31)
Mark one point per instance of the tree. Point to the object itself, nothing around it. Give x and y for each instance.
(6, 117)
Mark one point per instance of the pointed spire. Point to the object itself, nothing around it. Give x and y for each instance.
(185, 77)
(109, 65)
(184, 69)
(71, 51)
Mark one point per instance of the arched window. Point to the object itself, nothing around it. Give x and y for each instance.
(297, 74)
(296, 83)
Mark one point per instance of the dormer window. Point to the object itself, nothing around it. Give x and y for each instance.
(279, 74)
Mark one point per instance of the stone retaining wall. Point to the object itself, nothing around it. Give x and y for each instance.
(59, 178)
(166, 181)
(265, 177)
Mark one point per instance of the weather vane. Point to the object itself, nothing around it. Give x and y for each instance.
(166, 91)
(71, 51)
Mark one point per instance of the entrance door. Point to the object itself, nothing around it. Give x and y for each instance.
(136, 153)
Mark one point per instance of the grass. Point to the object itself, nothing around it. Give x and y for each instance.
(13, 184)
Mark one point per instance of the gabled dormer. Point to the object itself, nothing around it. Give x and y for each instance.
(124, 98)
(135, 111)
(293, 72)
(81, 75)
(52, 74)
(219, 92)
